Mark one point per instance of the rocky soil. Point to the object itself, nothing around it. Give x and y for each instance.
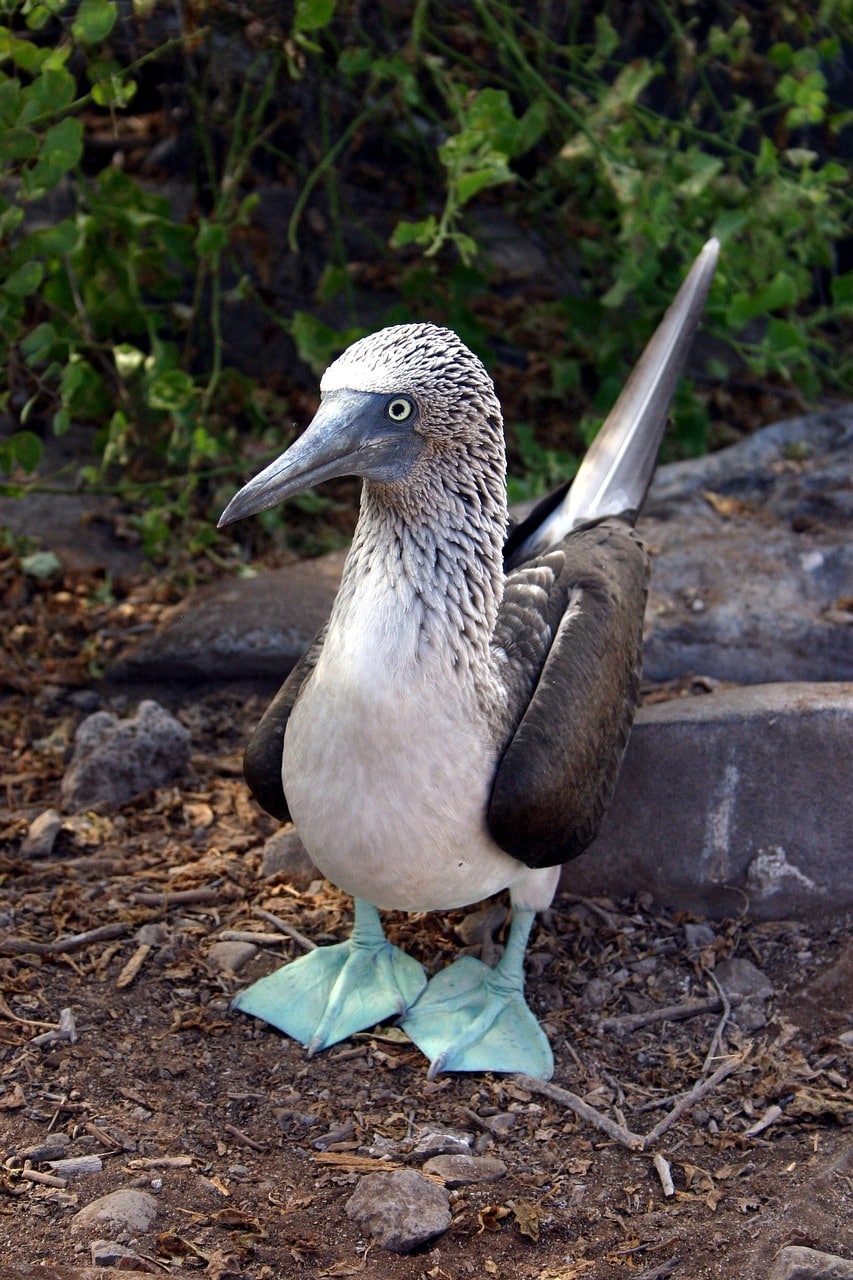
(700, 1119)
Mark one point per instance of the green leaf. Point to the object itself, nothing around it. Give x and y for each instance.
(10, 97)
(26, 448)
(606, 37)
(704, 169)
(49, 94)
(311, 15)
(95, 20)
(25, 280)
(60, 151)
(212, 238)
(471, 183)
(39, 342)
(17, 144)
(171, 391)
(780, 292)
(406, 233)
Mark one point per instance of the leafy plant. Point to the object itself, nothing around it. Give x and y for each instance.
(617, 157)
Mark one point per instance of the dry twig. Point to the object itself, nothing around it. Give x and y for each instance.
(619, 1133)
(667, 1013)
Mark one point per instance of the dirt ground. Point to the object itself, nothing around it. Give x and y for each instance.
(252, 1150)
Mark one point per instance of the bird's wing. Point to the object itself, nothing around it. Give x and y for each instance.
(570, 626)
(262, 759)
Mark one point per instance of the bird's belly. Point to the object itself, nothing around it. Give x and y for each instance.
(388, 789)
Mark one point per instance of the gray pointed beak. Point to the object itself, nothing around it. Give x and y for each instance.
(349, 435)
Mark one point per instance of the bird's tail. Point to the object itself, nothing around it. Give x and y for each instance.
(617, 470)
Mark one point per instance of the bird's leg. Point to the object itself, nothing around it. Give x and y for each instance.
(332, 992)
(474, 1018)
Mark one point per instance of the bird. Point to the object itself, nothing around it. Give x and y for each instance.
(456, 728)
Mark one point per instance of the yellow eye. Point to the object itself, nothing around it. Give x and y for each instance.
(399, 408)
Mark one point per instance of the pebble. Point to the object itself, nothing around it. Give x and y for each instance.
(596, 993)
(284, 854)
(400, 1209)
(698, 936)
(795, 1262)
(231, 957)
(126, 1210)
(739, 977)
(459, 1171)
(41, 836)
(442, 1143)
(109, 1253)
(115, 760)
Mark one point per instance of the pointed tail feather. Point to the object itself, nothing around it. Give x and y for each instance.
(618, 467)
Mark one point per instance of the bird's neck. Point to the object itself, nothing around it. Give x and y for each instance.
(424, 577)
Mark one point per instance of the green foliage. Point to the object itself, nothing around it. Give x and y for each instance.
(620, 161)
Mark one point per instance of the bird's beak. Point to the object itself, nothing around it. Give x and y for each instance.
(348, 436)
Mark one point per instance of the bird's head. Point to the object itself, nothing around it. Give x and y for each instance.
(387, 402)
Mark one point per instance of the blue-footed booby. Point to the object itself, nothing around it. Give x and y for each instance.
(457, 727)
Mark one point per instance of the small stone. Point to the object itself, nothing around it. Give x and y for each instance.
(750, 1016)
(41, 836)
(400, 1209)
(739, 977)
(231, 957)
(441, 1143)
(458, 1171)
(479, 926)
(109, 1253)
(127, 1209)
(698, 936)
(115, 760)
(596, 993)
(795, 1262)
(284, 854)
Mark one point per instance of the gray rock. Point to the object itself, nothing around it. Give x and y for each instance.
(740, 977)
(126, 1210)
(459, 1171)
(284, 854)
(400, 1209)
(697, 936)
(109, 1253)
(753, 558)
(115, 760)
(231, 957)
(441, 1143)
(740, 792)
(795, 1262)
(239, 629)
(41, 835)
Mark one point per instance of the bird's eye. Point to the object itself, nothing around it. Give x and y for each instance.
(399, 408)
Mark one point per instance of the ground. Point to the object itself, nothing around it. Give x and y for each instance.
(252, 1150)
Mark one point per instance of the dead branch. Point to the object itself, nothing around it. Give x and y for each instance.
(667, 1013)
(690, 1099)
(619, 1133)
(69, 941)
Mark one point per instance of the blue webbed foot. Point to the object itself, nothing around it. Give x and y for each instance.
(332, 992)
(474, 1018)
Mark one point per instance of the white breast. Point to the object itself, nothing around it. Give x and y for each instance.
(387, 766)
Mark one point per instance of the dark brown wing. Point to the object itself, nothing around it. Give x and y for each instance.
(262, 759)
(581, 605)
